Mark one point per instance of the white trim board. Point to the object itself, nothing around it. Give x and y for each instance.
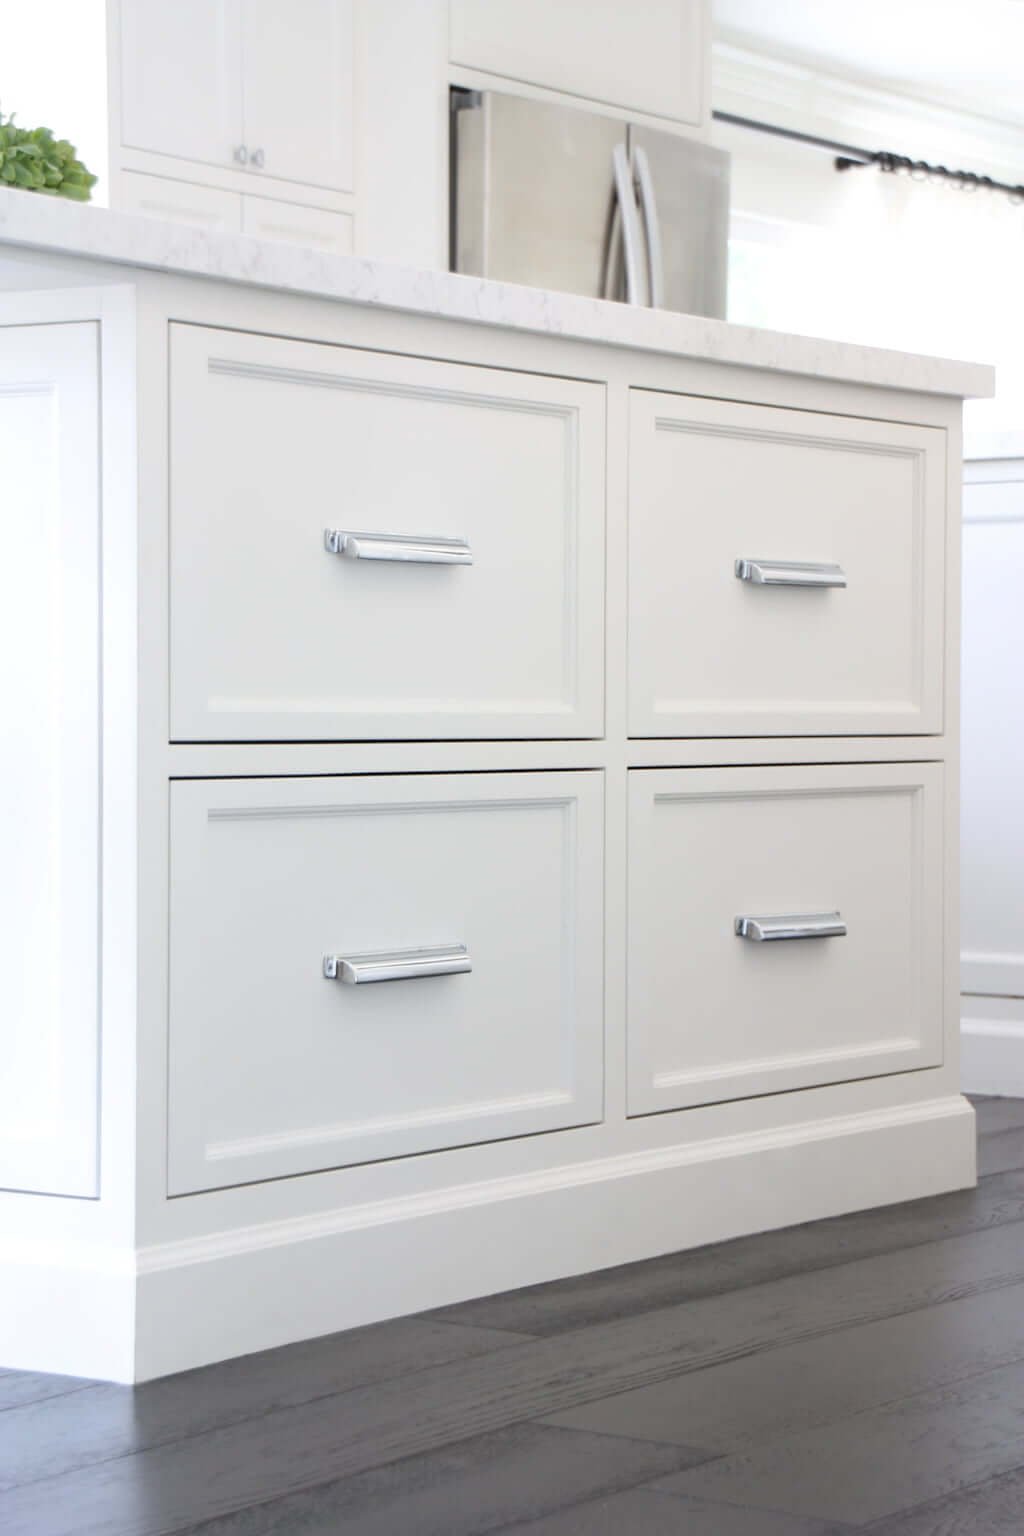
(257, 1287)
(117, 1316)
(992, 1045)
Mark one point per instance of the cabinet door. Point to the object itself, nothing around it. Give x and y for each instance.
(297, 89)
(648, 57)
(850, 987)
(317, 229)
(49, 705)
(182, 202)
(181, 78)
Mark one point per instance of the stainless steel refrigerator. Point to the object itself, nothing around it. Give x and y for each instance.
(560, 198)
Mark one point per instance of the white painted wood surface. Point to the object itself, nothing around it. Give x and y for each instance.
(50, 707)
(297, 90)
(274, 441)
(102, 1285)
(317, 229)
(276, 1070)
(184, 202)
(714, 1016)
(650, 56)
(181, 78)
(712, 482)
(992, 908)
(992, 957)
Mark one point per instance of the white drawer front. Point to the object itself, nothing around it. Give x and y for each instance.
(715, 1016)
(714, 482)
(273, 637)
(275, 1069)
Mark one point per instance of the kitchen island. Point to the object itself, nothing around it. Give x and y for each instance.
(587, 675)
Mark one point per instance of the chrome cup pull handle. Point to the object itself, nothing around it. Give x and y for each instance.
(794, 925)
(790, 573)
(409, 547)
(398, 964)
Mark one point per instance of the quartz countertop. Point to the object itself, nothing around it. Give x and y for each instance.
(31, 222)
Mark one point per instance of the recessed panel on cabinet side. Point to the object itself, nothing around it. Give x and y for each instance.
(50, 707)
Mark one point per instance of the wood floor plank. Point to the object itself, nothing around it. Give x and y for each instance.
(992, 1508)
(44, 1439)
(627, 1290)
(878, 1464)
(484, 1482)
(1001, 1152)
(786, 1391)
(20, 1387)
(645, 1513)
(995, 1115)
(298, 1447)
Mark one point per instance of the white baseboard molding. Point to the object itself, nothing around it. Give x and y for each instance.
(991, 975)
(253, 1289)
(992, 1045)
(184, 1304)
(68, 1309)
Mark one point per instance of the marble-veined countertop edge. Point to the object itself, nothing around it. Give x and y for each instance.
(29, 221)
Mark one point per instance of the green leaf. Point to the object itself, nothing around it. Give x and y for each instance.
(36, 161)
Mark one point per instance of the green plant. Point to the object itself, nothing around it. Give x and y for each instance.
(31, 158)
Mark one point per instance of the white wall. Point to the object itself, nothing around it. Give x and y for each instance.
(53, 73)
(869, 257)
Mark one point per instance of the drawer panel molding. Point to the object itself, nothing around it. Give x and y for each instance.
(850, 986)
(277, 1069)
(494, 634)
(786, 571)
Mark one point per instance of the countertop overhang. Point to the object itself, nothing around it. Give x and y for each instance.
(31, 222)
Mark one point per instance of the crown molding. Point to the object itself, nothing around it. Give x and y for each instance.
(798, 96)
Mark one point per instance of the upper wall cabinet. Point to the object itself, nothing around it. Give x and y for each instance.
(645, 57)
(241, 83)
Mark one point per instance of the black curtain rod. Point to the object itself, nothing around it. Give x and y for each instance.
(850, 157)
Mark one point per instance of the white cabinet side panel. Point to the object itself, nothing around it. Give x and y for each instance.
(992, 956)
(50, 692)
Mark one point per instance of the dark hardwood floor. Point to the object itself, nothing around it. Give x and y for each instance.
(864, 1373)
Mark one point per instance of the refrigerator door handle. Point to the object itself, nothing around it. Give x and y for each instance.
(652, 228)
(630, 224)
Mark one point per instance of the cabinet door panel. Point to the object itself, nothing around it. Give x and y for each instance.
(792, 494)
(714, 1015)
(649, 57)
(297, 89)
(276, 637)
(181, 81)
(49, 705)
(277, 1069)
